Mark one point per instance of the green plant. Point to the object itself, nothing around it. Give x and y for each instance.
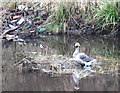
(107, 14)
(62, 13)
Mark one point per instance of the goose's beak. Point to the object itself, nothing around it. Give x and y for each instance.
(77, 44)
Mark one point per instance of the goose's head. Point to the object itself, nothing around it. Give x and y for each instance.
(76, 52)
(77, 45)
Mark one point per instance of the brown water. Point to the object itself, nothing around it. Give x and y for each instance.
(105, 50)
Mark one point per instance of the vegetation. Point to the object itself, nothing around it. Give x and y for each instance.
(83, 17)
(105, 16)
(108, 15)
(61, 14)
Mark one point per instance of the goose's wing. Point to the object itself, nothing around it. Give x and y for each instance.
(79, 61)
(81, 64)
(88, 59)
(85, 58)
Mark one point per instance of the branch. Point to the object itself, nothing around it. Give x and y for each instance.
(9, 31)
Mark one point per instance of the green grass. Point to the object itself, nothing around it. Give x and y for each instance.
(107, 14)
(62, 14)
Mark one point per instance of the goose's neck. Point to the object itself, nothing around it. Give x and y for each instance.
(76, 52)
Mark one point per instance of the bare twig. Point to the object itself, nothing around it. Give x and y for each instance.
(48, 19)
(9, 31)
(75, 20)
(19, 62)
(46, 23)
(34, 6)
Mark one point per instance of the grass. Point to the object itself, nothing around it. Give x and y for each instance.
(62, 14)
(108, 14)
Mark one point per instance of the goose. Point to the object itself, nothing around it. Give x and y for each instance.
(81, 58)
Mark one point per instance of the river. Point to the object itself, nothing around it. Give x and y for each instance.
(104, 50)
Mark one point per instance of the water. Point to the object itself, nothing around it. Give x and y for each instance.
(104, 50)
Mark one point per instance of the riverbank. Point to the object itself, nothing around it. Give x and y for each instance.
(28, 18)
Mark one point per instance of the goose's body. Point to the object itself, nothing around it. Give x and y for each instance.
(81, 58)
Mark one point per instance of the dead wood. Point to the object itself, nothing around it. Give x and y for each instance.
(6, 31)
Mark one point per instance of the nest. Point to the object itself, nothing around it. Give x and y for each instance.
(52, 64)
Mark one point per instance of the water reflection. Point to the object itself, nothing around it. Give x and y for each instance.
(38, 81)
(105, 50)
(100, 83)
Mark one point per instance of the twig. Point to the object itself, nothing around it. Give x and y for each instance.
(22, 61)
(9, 31)
(43, 25)
(27, 60)
(75, 20)
(84, 27)
(108, 24)
(48, 18)
(19, 62)
(38, 4)
(46, 4)
(34, 6)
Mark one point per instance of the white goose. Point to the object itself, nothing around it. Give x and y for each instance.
(81, 58)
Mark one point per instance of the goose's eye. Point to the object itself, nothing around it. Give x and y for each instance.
(76, 46)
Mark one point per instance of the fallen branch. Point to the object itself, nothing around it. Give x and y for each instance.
(34, 6)
(19, 62)
(9, 31)
(75, 21)
(47, 23)
(48, 19)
